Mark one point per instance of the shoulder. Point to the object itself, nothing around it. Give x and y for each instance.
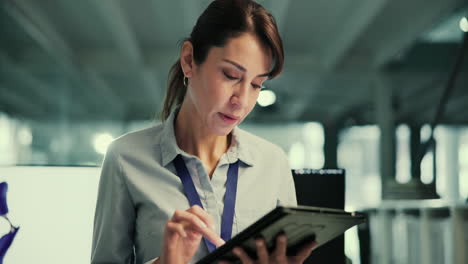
(139, 140)
(258, 146)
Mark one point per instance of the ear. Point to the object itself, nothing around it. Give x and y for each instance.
(186, 59)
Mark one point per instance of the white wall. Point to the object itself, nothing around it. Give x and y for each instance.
(54, 207)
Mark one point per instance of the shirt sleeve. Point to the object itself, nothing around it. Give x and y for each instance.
(287, 190)
(114, 218)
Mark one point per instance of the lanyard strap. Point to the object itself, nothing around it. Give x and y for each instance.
(229, 197)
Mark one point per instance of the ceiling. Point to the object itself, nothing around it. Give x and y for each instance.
(108, 60)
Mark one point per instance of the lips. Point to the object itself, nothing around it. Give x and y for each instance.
(231, 116)
(230, 119)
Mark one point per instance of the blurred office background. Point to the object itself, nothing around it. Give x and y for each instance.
(361, 90)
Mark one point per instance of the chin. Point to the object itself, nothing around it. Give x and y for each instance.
(223, 131)
(219, 128)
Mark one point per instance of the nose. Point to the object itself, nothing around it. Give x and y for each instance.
(240, 94)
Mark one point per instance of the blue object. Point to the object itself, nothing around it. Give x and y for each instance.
(3, 203)
(229, 197)
(6, 240)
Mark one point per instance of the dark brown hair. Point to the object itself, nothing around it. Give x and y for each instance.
(222, 20)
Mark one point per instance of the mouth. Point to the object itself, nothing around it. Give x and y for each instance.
(230, 119)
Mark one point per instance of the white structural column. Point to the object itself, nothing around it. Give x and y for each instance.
(385, 247)
(425, 237)
(385, 120)
(449, 152)
(459, 217)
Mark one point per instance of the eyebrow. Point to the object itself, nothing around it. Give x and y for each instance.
(243, 69)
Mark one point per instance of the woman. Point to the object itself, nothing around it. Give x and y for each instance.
(197, 158)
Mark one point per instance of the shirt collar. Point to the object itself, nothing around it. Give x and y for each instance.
(168, 143)
(239, 148)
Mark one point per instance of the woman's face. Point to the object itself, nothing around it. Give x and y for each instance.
(225, 87)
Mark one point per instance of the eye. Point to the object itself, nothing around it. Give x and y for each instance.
(229, 76)
(256, 86)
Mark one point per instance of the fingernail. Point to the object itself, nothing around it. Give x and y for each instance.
(222, 241)
(258, 243)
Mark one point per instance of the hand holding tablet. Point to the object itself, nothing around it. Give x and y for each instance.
(278, 255)
(301, 225)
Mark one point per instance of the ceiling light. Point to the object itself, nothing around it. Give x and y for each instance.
(464, 24)
(101, 142)
(266, 98)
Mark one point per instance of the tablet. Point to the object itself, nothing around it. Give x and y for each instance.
(301, 224)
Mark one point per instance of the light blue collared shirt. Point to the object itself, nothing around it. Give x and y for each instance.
(139, 190)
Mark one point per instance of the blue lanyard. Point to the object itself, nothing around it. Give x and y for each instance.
(229, 197)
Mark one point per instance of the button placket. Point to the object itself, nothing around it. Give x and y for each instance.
(210, 200)
(218, 183)
(194, 173)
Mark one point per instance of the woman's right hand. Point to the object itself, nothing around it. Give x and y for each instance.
(183, 234)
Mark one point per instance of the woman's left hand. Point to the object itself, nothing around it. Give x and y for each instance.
(278, 256)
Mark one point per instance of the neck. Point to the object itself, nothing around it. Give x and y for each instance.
(193, 138)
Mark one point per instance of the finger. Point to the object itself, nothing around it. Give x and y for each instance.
(262, 252)
(305, 251)
(175, 228)
(213, 237)
(181, 216)
(240, 253)
(172, 231)
(280, 249)
(203, 215)
(197, 225)
(194, 235)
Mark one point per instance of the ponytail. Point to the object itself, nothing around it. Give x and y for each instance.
(175, 90)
